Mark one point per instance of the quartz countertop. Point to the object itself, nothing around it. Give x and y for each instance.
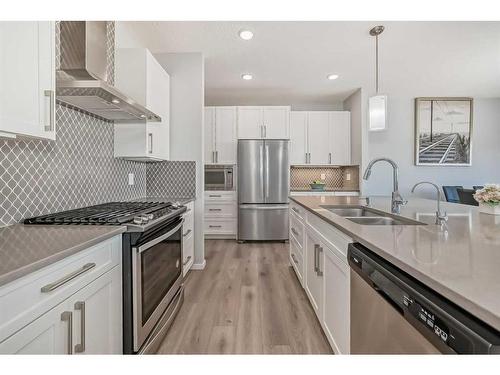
(461, 261)
(28, 248)
(322, 191)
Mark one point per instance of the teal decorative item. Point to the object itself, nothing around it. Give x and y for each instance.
(317, 186)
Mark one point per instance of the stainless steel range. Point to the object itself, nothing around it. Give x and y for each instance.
(152, 264)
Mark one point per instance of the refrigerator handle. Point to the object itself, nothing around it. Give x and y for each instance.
(267, 171)
(261, 157)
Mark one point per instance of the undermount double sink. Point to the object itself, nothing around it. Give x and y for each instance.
(369, 216)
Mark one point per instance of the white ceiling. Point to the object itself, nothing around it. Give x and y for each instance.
(290, 60)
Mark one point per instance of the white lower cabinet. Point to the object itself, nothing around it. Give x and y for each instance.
(314, 275)
(70, 314)
(188, 239)
(323, 270)
(46, 335)
(336, 301)
(220, 218)
(97, 316)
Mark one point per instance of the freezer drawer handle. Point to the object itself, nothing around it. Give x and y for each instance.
(56, 284)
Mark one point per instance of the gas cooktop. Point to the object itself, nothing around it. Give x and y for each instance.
(137, 216)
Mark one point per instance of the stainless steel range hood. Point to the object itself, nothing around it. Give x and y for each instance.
(82, 77)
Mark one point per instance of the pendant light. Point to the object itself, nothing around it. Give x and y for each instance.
(377, 104)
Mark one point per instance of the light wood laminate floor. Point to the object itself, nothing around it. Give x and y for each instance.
(246, 301)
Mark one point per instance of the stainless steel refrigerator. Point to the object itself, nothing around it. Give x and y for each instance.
(263, 187)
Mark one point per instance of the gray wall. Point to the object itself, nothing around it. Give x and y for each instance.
(398, 143)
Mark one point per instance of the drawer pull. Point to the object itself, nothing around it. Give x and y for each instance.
(215, 209)
(52, 286)
(188, 259)
(187, 233)
(215, 196)
(80, 348)
(215, 226)
(294, 231)
(295, 259)
(67, 316)
(293, 208)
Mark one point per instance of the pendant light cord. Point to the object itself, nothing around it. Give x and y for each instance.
(376, 64)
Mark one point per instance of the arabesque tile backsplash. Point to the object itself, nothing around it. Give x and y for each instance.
(335, 177)
(39, 177)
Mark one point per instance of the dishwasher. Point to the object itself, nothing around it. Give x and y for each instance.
(393, 313)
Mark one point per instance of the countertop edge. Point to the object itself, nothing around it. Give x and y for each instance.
(469, 306)
(33, 267)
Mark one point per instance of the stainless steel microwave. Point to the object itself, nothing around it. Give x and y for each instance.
(219, 177)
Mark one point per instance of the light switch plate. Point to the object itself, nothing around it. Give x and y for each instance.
(323, 176)
(131, 179)
(348, 176)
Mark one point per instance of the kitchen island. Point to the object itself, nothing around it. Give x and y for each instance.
(460, 260)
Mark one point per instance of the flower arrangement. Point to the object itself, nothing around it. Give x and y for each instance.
(489, 195)
(489, 199)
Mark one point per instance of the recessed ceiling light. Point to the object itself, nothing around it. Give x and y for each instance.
(245, 34)
(331, 77)
(247, 77)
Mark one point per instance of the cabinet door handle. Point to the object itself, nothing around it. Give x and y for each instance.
(56, 284)
(215, 209)
(150, 137)
(187, 233)
(67, 316)
(265, 131)
(80, 348)
(316, 258)
(294, 231)
(215, 226)
(319, 272)
(330, 158)
(51, 95)
(187, 260)
(216, 156)
(295, 259)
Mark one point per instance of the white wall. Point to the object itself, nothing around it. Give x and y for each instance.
(186, 72)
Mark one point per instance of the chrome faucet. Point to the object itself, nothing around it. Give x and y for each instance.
(440, 217)
(396, 199)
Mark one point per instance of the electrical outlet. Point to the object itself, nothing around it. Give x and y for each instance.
(131, 179)
(323, 176)
(348, 176)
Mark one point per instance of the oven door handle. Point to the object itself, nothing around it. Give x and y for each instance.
(157, 240)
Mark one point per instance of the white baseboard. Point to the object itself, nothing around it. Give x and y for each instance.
(199, 266)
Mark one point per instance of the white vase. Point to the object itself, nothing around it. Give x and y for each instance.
(488, 209)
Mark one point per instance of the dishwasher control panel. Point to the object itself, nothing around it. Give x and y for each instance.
(427, 318)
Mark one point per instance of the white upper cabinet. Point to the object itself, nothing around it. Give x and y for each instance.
(140, 75)
(270, 122)
(250, 124)
(298, 137)
(318, 135)
(27, 79)
(276, 122)
(220, 135)
(209, 135)
(327, 139)
(340, 137)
